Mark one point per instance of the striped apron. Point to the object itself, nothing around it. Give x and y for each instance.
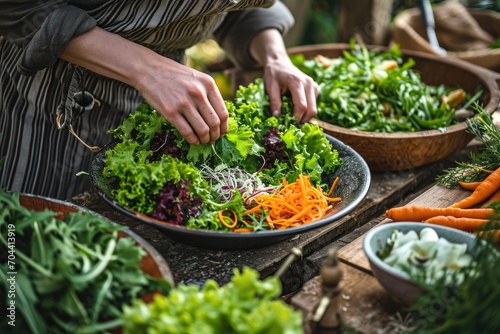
(39, 158)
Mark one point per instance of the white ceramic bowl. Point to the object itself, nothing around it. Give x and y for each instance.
(395, 282)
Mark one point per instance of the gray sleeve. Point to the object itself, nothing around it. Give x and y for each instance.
(42, 29)
(239, 27)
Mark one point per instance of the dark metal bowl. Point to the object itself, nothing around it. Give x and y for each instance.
(354, 182)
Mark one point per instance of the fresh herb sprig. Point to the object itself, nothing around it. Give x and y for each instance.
(487, 159)
(469, 307)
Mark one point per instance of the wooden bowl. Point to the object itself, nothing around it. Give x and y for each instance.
(403, 151)
(153, 263)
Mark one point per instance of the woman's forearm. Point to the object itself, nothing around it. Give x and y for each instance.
(112, 56)
(186, 98)
(268, 46)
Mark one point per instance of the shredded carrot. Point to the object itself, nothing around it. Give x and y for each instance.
(487, 188)
(294, 204)
(243, 229)
(233, 221)
(420, 213)
(461, 223)
(332, 188)
(251, 210)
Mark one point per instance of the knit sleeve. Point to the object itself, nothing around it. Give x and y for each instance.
(239, 27)
(42, 29)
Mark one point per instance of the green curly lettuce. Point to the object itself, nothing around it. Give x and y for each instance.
(141, 175)
(308, 150)
(244, 305)
(140, 179)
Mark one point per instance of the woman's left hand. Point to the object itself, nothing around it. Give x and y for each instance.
(281, 76)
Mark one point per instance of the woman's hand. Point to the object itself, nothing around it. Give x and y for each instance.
(188, 99)
(281, 76)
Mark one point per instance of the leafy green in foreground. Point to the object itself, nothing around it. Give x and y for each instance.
(471, 307)
(71, 275)
(245, 305)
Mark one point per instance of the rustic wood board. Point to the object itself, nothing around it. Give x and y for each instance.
(437, 196)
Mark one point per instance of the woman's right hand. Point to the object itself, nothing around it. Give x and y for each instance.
(187, 98)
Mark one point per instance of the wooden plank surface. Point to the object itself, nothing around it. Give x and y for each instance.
(437, 196)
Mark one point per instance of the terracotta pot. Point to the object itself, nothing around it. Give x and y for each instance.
(153, 263)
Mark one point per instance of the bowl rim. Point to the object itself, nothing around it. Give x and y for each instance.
(487, 77)
(373, 258)
(160, 261)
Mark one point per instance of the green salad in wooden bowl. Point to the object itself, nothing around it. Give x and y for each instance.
(399, 109)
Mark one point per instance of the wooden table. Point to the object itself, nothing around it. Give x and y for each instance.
(363, 297)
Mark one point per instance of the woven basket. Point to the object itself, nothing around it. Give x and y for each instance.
(409, 32)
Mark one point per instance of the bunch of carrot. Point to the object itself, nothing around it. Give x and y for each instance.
(293, 204)
(470, 214)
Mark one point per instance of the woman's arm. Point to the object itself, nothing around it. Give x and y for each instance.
(253, 38)
(187, 98)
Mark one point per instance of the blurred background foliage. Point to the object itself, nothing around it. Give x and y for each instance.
(322, 16)
(321, 23)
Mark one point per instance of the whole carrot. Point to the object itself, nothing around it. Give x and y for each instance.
(469, 185)
(494, 198)
(420, 213)
(488, 187)
(461, 223)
